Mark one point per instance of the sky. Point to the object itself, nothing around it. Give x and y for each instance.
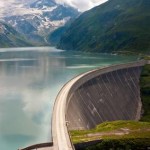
(82, 5)
(13, 7)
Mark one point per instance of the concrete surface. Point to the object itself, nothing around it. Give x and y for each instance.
(100, 95)
(110, 96)
(104, 94)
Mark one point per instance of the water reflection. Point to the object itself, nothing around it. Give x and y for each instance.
(30, 79)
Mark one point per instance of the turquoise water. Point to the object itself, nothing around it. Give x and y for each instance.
(30, 79)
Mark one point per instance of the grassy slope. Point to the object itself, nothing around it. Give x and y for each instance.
(121, 135)
(113, 130)
(114, 26)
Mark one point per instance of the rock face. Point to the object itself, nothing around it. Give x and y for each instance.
(40, 19)
(112, 95)
(9, 37)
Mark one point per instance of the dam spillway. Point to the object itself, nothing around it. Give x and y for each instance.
(105, 95)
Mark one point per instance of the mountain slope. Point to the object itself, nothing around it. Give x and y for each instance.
(10, 37)
(39, 19)
(114, 26)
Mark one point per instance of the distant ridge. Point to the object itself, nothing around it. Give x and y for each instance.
(9, 37)
(115, 26)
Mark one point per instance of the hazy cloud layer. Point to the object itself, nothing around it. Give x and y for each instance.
(15, 7)
(82, 5)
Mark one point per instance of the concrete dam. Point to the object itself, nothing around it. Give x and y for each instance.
(104, 94)
(107, 95)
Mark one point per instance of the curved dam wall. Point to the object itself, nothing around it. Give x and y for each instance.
(106, 94)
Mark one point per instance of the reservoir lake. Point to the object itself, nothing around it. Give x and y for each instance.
(30, 79)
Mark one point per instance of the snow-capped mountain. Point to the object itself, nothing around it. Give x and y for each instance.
(40, 18)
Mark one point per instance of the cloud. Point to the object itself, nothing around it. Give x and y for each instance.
(82, 5)
(1, 4)
(13, 7)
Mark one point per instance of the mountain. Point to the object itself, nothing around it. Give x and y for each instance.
(55, 36)
(115, 26)
(10, 37)
(39, 19)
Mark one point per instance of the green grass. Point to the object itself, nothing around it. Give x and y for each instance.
(108, 29)
(130, 129)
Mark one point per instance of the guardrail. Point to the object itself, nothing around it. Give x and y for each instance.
(36, 146)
